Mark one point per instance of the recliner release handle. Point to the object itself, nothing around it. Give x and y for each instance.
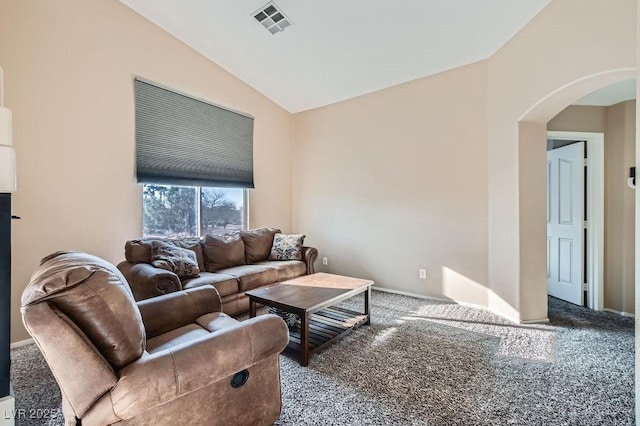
(240, 378)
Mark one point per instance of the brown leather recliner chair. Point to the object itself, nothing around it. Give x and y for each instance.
(173, 359)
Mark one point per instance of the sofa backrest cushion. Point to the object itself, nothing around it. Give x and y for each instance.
(96, 298)
(258, 243)
(141, 251)
(223, 251)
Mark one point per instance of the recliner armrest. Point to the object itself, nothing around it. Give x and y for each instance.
(148, 281)
(166, 375)
(309, 256)
(170, 311)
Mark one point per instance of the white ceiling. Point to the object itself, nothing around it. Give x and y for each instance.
(611, 95)
(339, 49)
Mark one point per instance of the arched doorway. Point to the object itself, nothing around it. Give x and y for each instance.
(532, 127)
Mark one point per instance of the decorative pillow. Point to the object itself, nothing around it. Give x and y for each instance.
(223, 251)
(141, 251)
(287, 247)
(175, 259)
(258, 243)
(191, 243)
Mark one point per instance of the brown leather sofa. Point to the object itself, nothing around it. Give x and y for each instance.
(173, 359)
(232, 278)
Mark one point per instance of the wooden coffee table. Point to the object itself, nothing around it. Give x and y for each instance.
(312, 297)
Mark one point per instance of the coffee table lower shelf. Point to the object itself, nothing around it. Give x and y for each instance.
(325, 327)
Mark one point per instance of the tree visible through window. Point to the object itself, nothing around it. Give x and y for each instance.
(180, 211)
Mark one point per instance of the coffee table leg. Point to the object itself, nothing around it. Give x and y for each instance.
(367, 308)
(252, 308)
(304, 339)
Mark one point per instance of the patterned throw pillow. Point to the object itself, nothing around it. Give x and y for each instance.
(287, 247)
(181, 261)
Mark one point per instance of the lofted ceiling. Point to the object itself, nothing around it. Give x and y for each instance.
(338, 49)
(610, 95)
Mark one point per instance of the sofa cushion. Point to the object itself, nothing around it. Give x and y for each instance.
(235, 304)
(141, 251)
(224, 283)
(252, 276)
(223, 251)
(175, 337)
(206, 324)
(287, 247)
(258, 243)
(216, 321)
(287, 269)
(179, 260)
(138, 251)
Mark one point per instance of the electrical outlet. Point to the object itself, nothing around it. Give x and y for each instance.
(422, 273)
(325, 261)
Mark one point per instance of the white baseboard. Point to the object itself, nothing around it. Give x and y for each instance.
(7, 411)
(624, 314)
(470, 305)
(406, 293)
(21, 343)
(536, 321)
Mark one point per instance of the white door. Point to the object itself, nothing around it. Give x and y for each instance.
(565, 192)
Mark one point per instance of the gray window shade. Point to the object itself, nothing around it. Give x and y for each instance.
(181, 140)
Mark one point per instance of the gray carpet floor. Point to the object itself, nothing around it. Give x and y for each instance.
(424, 362)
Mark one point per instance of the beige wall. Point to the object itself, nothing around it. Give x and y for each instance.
(69, 69)
(618, 125)
(374, 182)
(580, 118)
(540, 71)
(395, 181)
(620, 143)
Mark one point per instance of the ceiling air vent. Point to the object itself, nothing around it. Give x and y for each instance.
(272, 18)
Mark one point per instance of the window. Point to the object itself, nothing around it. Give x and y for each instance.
(181, 211)
(195, 160)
